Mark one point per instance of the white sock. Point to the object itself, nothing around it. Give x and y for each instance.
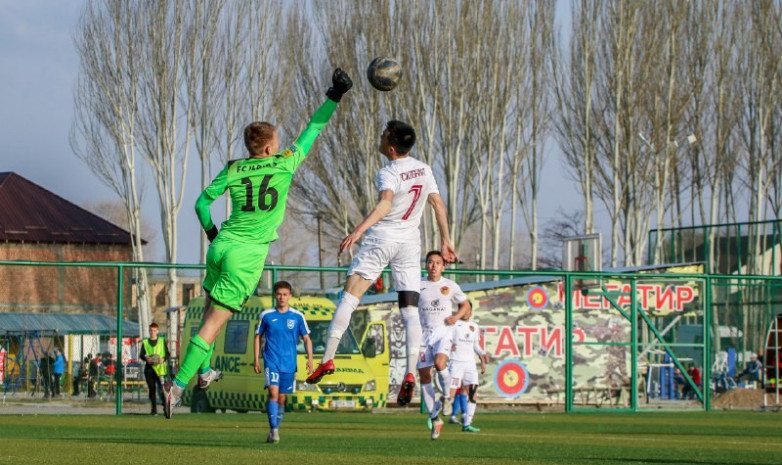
(414, 336)
(467, 419)
(444, 377)
(339, 323)
(428, 391)
(435, 412)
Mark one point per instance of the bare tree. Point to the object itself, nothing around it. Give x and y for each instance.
(574, 71)
(203, 80)
(531, 122)
(337, 182)
(567, 224)
(104, 131)
(661, 111)
(760, 126)
(116, 212)
(165, 111)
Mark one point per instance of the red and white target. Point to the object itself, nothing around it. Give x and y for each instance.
(537, 298)
(511, 379)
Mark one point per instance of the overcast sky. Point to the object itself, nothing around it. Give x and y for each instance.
(39, 67)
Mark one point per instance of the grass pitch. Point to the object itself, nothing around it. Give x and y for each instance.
(735, 438)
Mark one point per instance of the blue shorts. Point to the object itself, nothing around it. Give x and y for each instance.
(285, 381)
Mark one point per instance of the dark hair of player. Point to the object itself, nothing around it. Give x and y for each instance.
(154, 325)
(283, 285)
(433, 252)
(257, 135)
(401, 136)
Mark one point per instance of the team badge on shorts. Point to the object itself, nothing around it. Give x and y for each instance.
(445, 290)
(291, 324)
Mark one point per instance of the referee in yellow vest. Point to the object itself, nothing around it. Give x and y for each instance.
(155, 352)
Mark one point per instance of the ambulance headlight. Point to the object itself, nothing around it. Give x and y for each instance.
(304, 386)
(370, 386)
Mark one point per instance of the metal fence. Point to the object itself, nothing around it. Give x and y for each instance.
(576, 340)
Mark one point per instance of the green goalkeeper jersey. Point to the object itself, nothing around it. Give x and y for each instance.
(259, 187)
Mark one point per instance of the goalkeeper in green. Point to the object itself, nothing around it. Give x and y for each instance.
(258, 187)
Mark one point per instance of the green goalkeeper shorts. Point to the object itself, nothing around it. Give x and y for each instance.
(233, 270)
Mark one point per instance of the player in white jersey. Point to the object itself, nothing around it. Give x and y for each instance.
(392, 239)
(435, 310)
(465, 343)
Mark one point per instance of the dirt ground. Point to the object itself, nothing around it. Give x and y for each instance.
(740, 399)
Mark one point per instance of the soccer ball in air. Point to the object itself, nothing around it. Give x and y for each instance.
(384, 73)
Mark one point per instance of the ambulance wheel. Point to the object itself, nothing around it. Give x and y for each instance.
(200, 403)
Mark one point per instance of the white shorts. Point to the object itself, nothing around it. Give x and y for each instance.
(434, 343)
(404, 259)
(463, 373)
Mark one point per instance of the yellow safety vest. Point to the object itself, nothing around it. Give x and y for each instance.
(158, 349)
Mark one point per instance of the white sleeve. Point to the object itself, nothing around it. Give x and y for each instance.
(477, 344)
(458, 295)
(386, 181)
(477, 347)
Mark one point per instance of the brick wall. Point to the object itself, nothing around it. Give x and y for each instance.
(56, 288)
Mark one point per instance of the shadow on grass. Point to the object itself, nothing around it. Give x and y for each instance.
(666, 461)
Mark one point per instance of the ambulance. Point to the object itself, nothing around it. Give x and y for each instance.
(360, 381)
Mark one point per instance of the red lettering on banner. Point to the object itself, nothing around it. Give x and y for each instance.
(549, 339)
(554, 340)
(684, 295)
(649, 297)
(645, 290)
(593, 302)
(624, 299)
(665, 298)
(527, 332)
(506, 343)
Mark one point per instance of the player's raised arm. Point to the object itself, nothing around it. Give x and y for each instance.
(341, 83)
(441, 215)
(378, 213)
(464, 307)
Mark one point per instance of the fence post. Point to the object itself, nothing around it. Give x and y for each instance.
(568, 343)
(118, 361)
(706, 378)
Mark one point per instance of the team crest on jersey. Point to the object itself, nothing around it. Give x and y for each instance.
(291, 324)
(445, 290)
(472, 328)
(289, 151)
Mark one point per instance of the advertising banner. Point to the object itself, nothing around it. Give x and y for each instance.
(523, 330)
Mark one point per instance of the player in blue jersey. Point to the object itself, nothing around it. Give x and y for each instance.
(280, 328)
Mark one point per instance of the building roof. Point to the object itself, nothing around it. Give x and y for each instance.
(63, 323)
(30, 213)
